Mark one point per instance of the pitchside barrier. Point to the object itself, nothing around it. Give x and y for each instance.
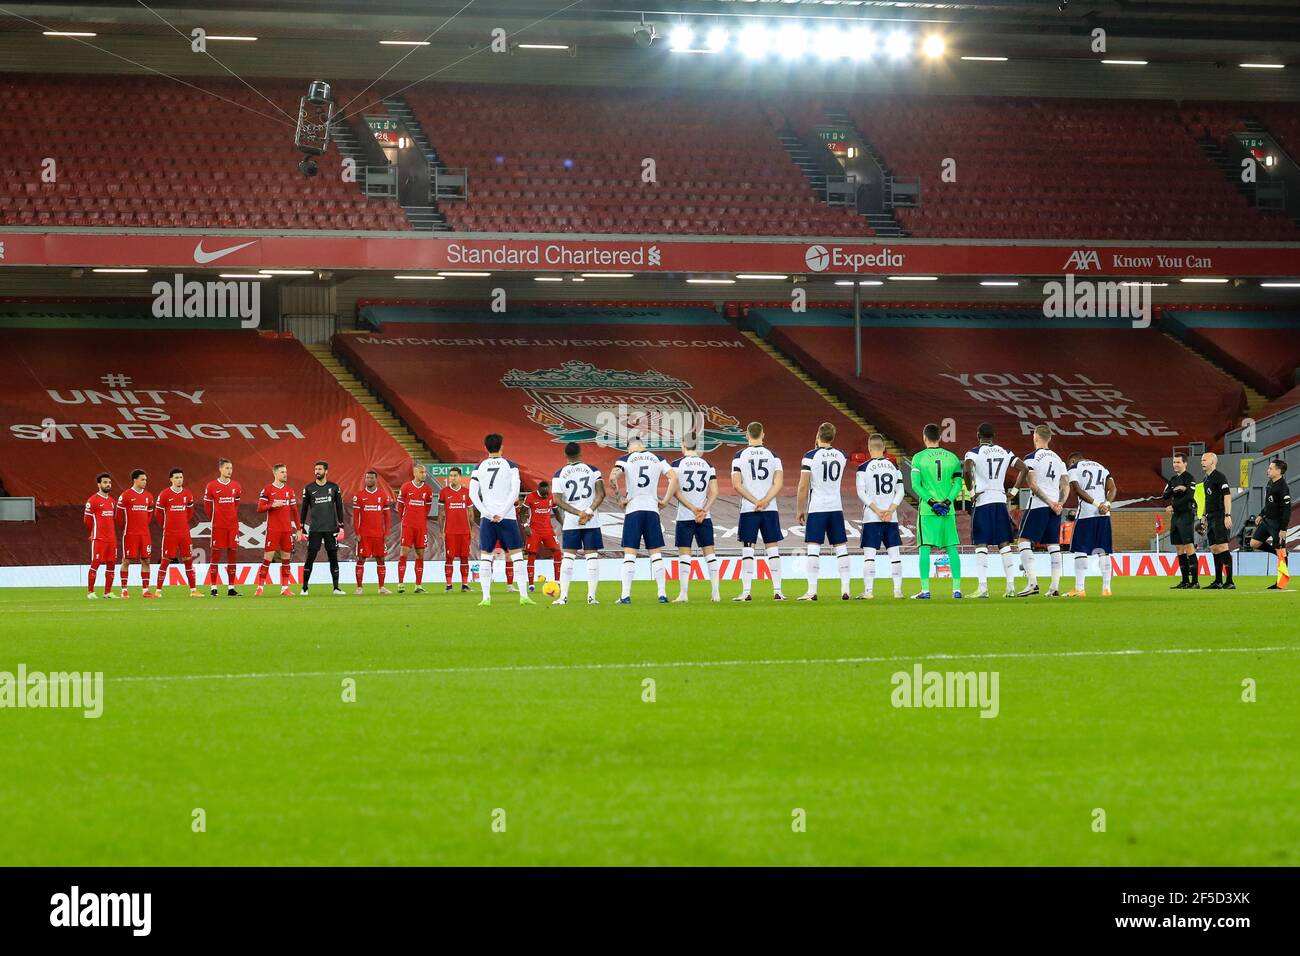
(1125, 564)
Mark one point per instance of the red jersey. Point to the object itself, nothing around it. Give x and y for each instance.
(540, 510)
(99, 517)
(138, 508)
(413, 504)
(221, 504)
(455, 510)
(280, 518)
(174, 510)
(370, 514)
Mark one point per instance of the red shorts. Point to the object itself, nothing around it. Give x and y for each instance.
(177, 546)
(279, 541)
(103, 551)
(371, 546)
(457, 545)
(137, 546)
(225, 538)
(415, 537)
(538, 541)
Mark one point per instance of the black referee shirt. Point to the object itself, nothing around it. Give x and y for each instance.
(322, 508)
(1277, 501)
(1184, 500)
(1216, 486)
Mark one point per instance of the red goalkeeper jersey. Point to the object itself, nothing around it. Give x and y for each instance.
(138, 508)
(414, 503)
(455, 510)
(540, 511)
(100, 517)
(221, 504)
(279, 518)
(370, 514)
(175, 510)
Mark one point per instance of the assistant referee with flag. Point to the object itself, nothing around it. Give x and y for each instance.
(322, 517)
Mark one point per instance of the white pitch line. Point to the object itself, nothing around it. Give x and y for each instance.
(644, 665)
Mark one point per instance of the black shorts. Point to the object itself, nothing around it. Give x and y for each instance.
(1215, 529)
(1182, 528)
(1270, 534)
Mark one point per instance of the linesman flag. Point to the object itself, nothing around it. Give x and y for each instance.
(1283, 572)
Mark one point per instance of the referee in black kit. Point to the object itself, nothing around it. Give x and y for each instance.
(1270, 527)
(1218, 521)
(1180, 492)
(322, 515)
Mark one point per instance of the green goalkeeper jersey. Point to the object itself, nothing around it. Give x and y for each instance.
(936, 473)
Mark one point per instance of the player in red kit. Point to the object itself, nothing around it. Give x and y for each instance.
(100, 520)
(541, 529)
(221, 504)
(174, 510)
(414, 501)
(454, 516)
(371, 516)
(280, 504)
(135, 512)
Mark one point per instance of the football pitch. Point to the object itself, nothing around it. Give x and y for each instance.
(762, 734)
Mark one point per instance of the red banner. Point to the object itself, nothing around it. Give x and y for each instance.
(80, 401)
(651, 254)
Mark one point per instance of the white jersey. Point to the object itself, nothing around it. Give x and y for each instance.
(494, 488)
(1047, 468)
(825, 467)
(577, 483)
(758, 468)
(642, 469)
(990, 463)
(879, 483)
(1091, 476)
(693, 477)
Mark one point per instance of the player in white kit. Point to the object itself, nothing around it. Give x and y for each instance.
(697, 489)
(819, 487)
(1092, 482)
(1045, 475)
(880, 489)
(757, 478)
(494, 490)
(578, 489)
(986, 467)
(642, 471)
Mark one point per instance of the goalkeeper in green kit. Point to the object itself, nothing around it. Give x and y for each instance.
(937, 484)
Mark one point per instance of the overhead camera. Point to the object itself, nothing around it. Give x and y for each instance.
(312, 134)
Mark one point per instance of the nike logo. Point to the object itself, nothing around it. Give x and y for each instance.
(201, 257)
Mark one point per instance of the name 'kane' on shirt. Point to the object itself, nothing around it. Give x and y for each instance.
(825, 467)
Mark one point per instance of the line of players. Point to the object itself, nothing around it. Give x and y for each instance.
(939, 480)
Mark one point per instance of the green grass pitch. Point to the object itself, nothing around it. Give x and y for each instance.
(1131, 705)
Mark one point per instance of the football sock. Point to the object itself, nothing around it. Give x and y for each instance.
(264, 573)
(486, 571)
(842, 565)
(954, 562)
(1107, 568)
(382, 567)
(1194, 568)
(1009, 566)
(110, 571)
(896, 567)
(629, 569)
(813, 567)
(683, 574)
(774, 566)
(746, 569)
(532, 568)
(214, 570)
(868, 569)
(361, 570)
(1182, 568)
(1027, 563)
(510, 568)
(566, 576)
(162, 571)
(1081, 572)
(464, 571)
(982, 567)
(90, 579)
(659, 571)
(1054, 556)
(230, 567)
(448, 565)
(419, 572)
(593, 573)
(285, 575)
(401, 570)
(521, 569)
(189, 571)
(715, 567)
(334, 568)
(557, 558)
(306, 568)
(925, 567)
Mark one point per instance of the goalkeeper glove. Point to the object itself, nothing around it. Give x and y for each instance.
(940, 508)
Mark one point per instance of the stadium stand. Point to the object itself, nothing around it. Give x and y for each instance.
(1260, 348)
(1060, 169)
(197, 167)
(1093, 382)
(565, 160)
